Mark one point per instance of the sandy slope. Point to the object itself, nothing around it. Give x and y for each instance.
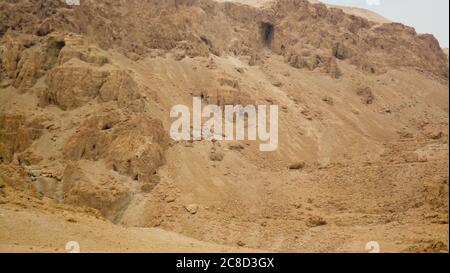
(40, 226)
(51, 233)
(369, 15)
(268, 206)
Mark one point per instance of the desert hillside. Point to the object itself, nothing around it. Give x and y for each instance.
(86, 93)
(367, 14)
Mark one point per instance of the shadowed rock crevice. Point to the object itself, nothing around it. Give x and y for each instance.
(267, 31)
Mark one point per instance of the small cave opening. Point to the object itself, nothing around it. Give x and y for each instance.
(60, 45)
(267, 31)
(107, 126)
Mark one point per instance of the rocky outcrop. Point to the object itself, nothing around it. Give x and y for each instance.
(312, 62)
(131, 146)
(371, 48)
(16, 135)
(366, 94)
(27, 58)
(332, 68)
(227, 92)
(193, 28)
(120, 87)
(77, 48)
(67, 71)
(72, 86)
(86, 188)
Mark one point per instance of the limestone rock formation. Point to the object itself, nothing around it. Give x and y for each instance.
(85, 99)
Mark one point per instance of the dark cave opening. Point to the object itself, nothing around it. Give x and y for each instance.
(267, 30)
(60, 44)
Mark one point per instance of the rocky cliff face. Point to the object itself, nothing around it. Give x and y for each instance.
(86, 92)
(312, 33)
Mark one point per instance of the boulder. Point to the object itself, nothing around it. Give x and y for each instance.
(133, 147)
(16, 135)
(366, 95)
(85, 187)
(70, 87)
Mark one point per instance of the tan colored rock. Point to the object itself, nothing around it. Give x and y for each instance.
(11, 54)
(83, 187)
(341, 52)
(76, 48)
(29, 158)
(192, 208)
(134, 148)
(25, 60)
(414, 157)
(236, 146)
(216, 156)
(435, 134)
(316, 221)
(328, 100)
(28, 69)
(297, 166)
(366, 95)
(120, 87)
(70, 87)
(332, 68)
(2, 183)
(16, 135)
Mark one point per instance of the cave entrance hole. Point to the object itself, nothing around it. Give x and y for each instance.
(267, 30)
